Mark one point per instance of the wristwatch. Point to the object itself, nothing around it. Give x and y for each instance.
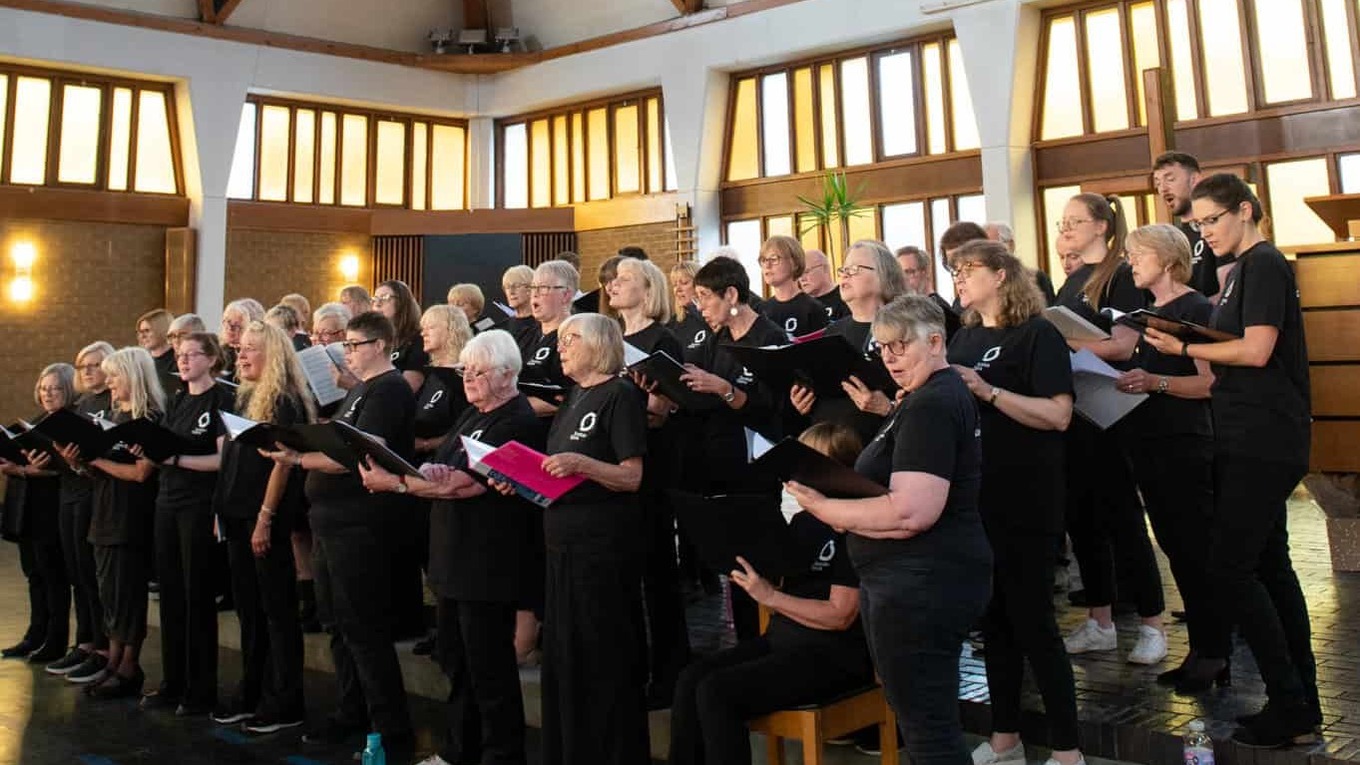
(1162, 383)
(730, 395)
(992, 398)
(401, 487)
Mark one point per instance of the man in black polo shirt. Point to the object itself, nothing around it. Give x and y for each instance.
(1174, 174)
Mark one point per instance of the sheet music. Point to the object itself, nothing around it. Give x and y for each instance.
(1072, 326)
(632, 354)
(317, 364)
(1098, 400)
(756, 445)
(235, 424)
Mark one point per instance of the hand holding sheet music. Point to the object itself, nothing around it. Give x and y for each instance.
(1098, 400)
(319, 363)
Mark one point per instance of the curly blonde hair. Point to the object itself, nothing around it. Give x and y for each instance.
(281, 376)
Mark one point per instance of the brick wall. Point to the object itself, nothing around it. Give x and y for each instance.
(595, 247)
(91, 282)
(267, 265)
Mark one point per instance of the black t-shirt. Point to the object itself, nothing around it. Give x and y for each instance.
(834, 306)
(1120, 294)
(165, 363)
(1166, 415)
(935, 430)
(121, 508)
(301, 341)
(76, 487)
(195, 418)
(1023, 468)
(524, 329)
(542, 364)
(1203, 264)
(437, 407)
(228, 365)
(1045, 286)
(661, 463)
(952, 322)
(1263, 413)
(656, 337)
(832, 567)
(797, 316)
(244, 474)
(382, 406)
(607, 422)
(692, 332)
(840, 408)
(480, 547)
(410, 356)
(721, 440)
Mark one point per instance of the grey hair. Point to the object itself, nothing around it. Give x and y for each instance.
(725, 251)
(188, 322)
(494, 348)
(327, 310)
(910, 316)
(66, 380)
(250, 308)
(892, 280)
(602, 339)
(562, 271)
(1004, 233)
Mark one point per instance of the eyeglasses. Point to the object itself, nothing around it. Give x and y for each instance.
(176, 336)
(1067, 224)
(962, 272)
(567, 340)
(1210, 220)
(145, 331)
(324, 334)
(350, 346)
(49, 390)
(477, 374)
(539, 289)
(911, 271)
(381, 299)
(895, 347)
(189, 355)
(810, 269)
(771, 260)
(848, 271)
(516, 287)
(234, 326)
(89, 367)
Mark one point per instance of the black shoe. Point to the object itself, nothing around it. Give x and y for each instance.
(89, 671)
(189, 709)
(332, 731)
(267, 723)
(68, 663)
(47, 654)
(161, 699)
(1272, 728)
(118, 687)
(1178, 616)
(1203, 675)
(1077, 598)
(19, 650)
(312, 626)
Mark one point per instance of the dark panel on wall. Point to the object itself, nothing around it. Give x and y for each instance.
(538, 248)
(399, 257)
(477, 258)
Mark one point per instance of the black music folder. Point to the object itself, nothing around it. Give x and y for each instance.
(158, 444)
(586, 303)
(1188, 331)
(792, 460)
(752, 526)
(552, 394)
(67, 427)
(339, 440)
(821, 364)
(664, 371)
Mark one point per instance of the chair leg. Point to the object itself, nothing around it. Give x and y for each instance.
(774, 750)
(812, 741)
(887, 737)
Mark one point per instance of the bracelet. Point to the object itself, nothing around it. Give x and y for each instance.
(266, 514)
(297, 460)
(992, 398)
(1185, 349)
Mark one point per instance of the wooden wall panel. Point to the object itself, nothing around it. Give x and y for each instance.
(1335, 390)
(539, 248)
(181, 269)
(1328, 281)
(82, 205)
(1332, 335)
(1334, 446)
(400, 257)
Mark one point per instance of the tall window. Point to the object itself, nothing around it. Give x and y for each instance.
(310, 153)
(84, 131)
(585, 153)
(858, 108)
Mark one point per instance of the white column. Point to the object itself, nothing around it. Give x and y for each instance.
(696, 112)
(482, 165)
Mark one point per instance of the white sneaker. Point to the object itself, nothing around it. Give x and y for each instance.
(1092, 637)
(1051, 761)
(1151, 647)
(434, 759)
(985, 755)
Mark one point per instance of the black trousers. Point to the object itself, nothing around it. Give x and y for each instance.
(49, 596)
(352, 569)
(916, 615)
(78, 556)
(1020, 625)
(485, 709)
(1105, 520)
(1175, 476)
(594, 670)
(1251, 580)
(188, 609)
(667, 633)
(265, 593)
(716, 695)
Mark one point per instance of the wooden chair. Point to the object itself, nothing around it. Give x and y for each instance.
(813, 724)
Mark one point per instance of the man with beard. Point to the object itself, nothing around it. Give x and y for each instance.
(1174, 174)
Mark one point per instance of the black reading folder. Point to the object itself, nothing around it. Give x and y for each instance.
(665, 371)
(10, 449)
(791, 460)
(67, 427)
(261, 435)
(158, 444)
(1185, 330)
(367, 448)
(821, 364)
(587, 303)
(752, 526)
(553, 394)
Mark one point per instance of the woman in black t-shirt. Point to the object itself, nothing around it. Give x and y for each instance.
(444, 331)
(152, 328)
(1016, 364)
(870, 279)
(235, 317)
(118, 523)
(1169, 438)
(686, 323)
(258, 503)
(781, 264)
(1104, 516)
(394, 300)
(352, 555)
(521, 326)
(919, 550)
(183, 533)
(485, 556)
(286, 318)
(34, 493)
(555, 283)
(1260, 401)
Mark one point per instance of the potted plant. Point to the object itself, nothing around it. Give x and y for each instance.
(832, 212)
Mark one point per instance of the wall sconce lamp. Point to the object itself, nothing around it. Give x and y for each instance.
(21, 286)
(349, 268)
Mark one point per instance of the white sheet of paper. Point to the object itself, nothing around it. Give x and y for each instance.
(1072, 326)
(1098, 400)
(632, 354)
(756, 445)
(317, 364)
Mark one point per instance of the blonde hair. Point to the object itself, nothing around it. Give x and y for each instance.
(517, 275)
(285, 317)
(300, 304)
(467, 293)
(459, 331)
(602, 339)
(135, 366)
(656, 300)
(100, 347)
(281, 376)
(66, 380)
(837, 441)
(158, 318)
(1168, 243)
(788, 247)
(688, 268)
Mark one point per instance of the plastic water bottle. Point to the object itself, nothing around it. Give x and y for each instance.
(1199, 748)
(374, 754)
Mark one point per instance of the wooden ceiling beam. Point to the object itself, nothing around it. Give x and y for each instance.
(686, 7)
(205, 11)
(224, 10)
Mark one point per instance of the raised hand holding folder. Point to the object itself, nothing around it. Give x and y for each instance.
(521, 467)
(792, 460)
(1189, 331)
(664, 372)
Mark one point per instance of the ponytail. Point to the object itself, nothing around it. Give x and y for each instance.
(1110, 211)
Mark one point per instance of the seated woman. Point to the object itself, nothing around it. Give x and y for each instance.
(920, 551)
(813, 649)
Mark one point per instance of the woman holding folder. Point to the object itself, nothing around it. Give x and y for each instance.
(687, 324)
(353, 547)
(185, 547)
(1170, 440)
(920, 551)
(259, 502)
(1104, 516)
(555, 284)
(394, 300)
(118, 523)
(485, 557)
(1262, 436)
(1016, 364)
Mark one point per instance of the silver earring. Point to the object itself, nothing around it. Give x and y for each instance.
(733, 311)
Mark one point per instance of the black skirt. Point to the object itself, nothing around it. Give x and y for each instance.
(122, 574)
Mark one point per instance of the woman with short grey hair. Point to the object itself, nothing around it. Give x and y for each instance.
(919, 550)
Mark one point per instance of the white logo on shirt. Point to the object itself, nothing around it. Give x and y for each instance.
(476, 435)
(352, 408)
(745, 378)
(584, 427)
(542, 353)
(435, 399)
(791, 325)
(699, 338)
(1198, 254)
(828, 551)
(204, 419)
(99, 415)
(992, 354)
(1227, 291)
(394, 355)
